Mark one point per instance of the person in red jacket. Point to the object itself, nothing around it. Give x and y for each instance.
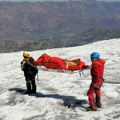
(97, 71)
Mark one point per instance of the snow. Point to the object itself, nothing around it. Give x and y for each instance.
(53, 88)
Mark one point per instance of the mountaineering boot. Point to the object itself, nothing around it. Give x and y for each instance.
(99, 105)
(98, 102)
(91, 108)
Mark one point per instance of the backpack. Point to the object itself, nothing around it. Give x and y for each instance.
(34, 70)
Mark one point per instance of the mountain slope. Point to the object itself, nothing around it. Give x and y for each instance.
(54, 88)
(27, 20)
(59, 41)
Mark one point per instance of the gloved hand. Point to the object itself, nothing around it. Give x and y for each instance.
(103, 79)
(86, 67)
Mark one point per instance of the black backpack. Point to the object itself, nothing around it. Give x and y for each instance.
(34, 70)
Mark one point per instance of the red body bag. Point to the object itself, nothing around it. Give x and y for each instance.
(59, 63)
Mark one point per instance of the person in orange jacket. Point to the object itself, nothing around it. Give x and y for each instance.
(97, 72)
(30, 72)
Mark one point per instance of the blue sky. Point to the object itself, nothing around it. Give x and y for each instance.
(50, 0)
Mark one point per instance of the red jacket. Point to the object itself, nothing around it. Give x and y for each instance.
(97, 71)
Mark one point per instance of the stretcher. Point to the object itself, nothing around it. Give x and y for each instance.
(44, 69)
(56, 64)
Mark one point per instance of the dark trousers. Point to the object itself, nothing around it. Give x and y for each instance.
(30, 84)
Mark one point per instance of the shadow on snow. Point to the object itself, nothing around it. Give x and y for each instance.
(67, 100)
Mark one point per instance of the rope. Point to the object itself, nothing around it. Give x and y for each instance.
(81, 72)
(111, 82)
(37, 77)
(19, 77)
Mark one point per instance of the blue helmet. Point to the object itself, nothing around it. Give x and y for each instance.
(95, 55)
